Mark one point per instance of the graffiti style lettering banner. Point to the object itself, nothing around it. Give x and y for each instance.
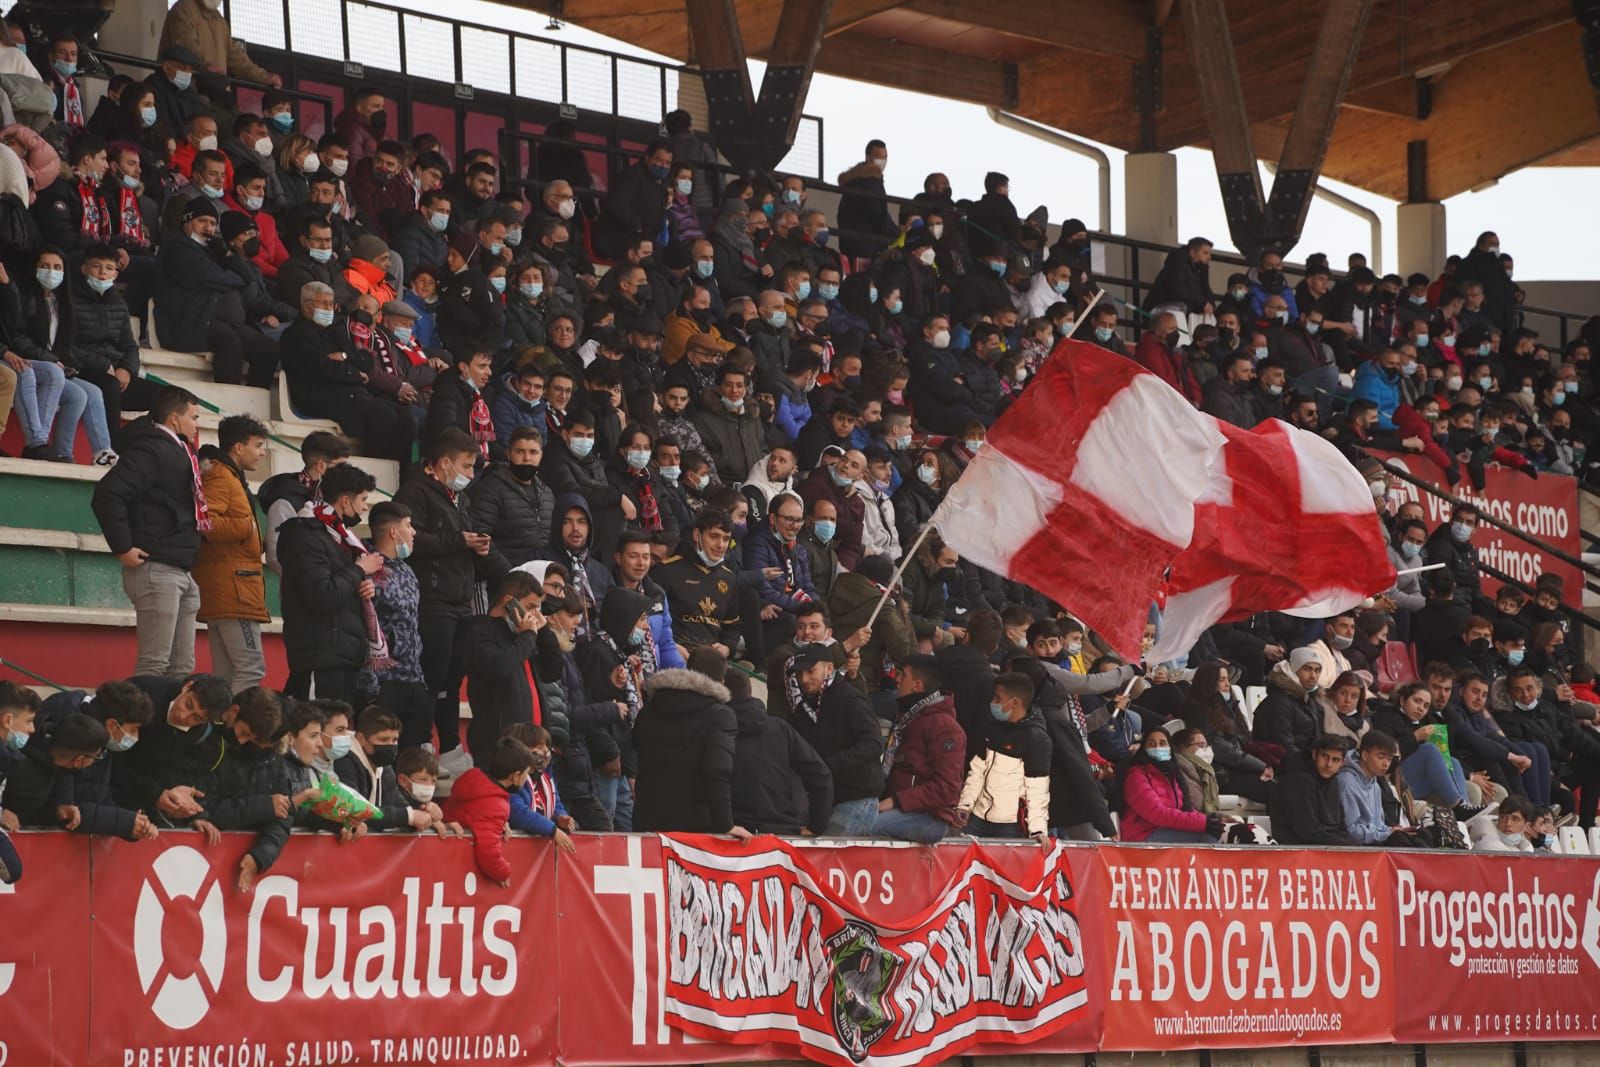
(1496, 948)
(760, 950)
(1217, 948)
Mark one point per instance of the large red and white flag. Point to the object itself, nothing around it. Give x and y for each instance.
(1086, 489)
(1287, 524)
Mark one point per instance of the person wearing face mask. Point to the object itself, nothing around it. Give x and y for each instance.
(470, 314)
(1483, 266)
(122, 708)
(199, 28)
(399, 687)
(731, 425)
(938, 392)
(1527, 714)
(836, 483)
(636, 202)
(369, 769)
(233, 595)
(313, 258)
(934, 568)
(1160, 804)
(1158, 352)
(1338, 636)
(419, 236)
(1184, 284)
(330, 631)
(41, 780)
(71, 212)
(701, 588)
(498, 651)
(172, 83)
(362, 123)
(383, 187)
(1451, 544)
(248, 196)
(1268, 280)
(250, 787)
(864, 216)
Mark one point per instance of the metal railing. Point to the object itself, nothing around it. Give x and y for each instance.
(120, 59)
(523, 74)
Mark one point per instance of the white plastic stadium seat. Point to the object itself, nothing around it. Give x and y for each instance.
(1573, 842)
(1594, 840)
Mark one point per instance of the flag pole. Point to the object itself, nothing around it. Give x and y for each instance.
(905, 558)
(1419, 570)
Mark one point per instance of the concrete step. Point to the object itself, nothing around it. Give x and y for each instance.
(176, 367)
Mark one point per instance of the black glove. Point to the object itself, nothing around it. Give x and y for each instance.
(1214, 825)
(1531, 471)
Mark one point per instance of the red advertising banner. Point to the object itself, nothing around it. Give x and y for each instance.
(1214, 948)
(44, 954)
(1496, 948)
(693, 950)
(1546, 508)
(760, 950)
(390, 950)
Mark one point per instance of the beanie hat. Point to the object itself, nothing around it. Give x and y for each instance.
(1301, 656)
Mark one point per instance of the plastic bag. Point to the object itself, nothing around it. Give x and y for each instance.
(337, 802)
(1439, 738)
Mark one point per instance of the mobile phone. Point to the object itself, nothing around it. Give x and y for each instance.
(514, 609)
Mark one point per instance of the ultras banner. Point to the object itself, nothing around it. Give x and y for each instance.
(761, 950)
(692, 950)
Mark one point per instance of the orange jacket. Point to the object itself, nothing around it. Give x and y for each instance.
(365, 277)
(232, 584)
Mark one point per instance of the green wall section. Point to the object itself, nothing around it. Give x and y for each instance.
(69, 578)
(47, 503)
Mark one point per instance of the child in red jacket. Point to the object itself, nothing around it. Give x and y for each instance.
(481, 802)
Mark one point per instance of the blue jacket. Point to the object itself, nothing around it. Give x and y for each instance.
(660, 621)
(764, 550)
(1361, 800)
(792, 415)
(1258, 300)
(510, 413)
(1382, 388)
(425, 331)
(528, 821)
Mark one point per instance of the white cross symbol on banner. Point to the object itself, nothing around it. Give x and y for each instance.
(638, 882)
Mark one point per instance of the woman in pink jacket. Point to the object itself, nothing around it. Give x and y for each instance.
(1154, 808)
(38, 158)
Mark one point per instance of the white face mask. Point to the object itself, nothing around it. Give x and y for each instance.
(208, 143)
(422, 793)
(338, 167)
(941, 339)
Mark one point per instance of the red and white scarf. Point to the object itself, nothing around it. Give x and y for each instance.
(131, 218)
(71, 101)
(202, 514)
(482, 424)
(378, 657)
(96, 223)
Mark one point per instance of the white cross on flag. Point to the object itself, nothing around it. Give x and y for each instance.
(1287, 524)
(1101, 477)
(1086, 488)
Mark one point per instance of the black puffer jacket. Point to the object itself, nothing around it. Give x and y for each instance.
(193, 277)
(517, 516)
(238, 796)
(847, 736)
(147, 500)
(324, 627)
(1289, 716)
(446, 568)
(684, 739)
(1306, 808)
(103, 340)
(771, 766)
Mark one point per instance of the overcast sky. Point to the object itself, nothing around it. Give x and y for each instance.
(926, 133)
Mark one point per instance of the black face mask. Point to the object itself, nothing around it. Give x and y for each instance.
(524, 472)
(363, 317)
(949, 574)
(702, 316)
(1272, 279)
(384, 755)
(251, 248)
(642, 294)
(322, 209)
(1226, 337)
(253, 752)
(350, 521)
(1172, 338)
(379, 121)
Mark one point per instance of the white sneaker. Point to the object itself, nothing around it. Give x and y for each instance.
(456, 762)
(105, 458)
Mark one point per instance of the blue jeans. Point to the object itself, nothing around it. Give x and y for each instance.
(1429, 778)
(80, 401)
(1536, 779)
(853, 818)
(615, 796)
(918, 826)
(1164, 836)
(38, 396)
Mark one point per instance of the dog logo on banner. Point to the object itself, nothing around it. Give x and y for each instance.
(863, 974)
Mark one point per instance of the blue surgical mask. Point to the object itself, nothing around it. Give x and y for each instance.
(1060, 287)
(320, 255)
(1514, 656)
(460, 482)
(872, 294)
(496, 248)
(402, 550)
(670, 474)
(64, 68)
(827, 291)
(927, 475)
(532, 290)
(182, 79)
(130, 182)
(1559, 399)
(1485, 382)
(402, 334)
(705, 559)
(998, 710)
(998, 268)
(322, 316)
(802, 290)
(439, 221)
(705, 267)
(498, 283)
(1483, 349)
(791, 196)
(825, 529)
(896, 307)
(1104, 333)
(638, 458)
(514, 236)
(284, 120)
(103, 286)
(16, 740)
(1410, 550)
(122, 744)
(973, 444)
(838, 479)
(1460, 531)
(820, 238)
(777, 319)
(658, 173)
(1569, 387)
(1422, 340)
(147, 115)
(48, 277)
(581, 446)
(1160, 755)
(685, 186)
(636, 638)
(340, 747)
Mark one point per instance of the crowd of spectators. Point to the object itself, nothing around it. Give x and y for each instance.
(628, 490)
